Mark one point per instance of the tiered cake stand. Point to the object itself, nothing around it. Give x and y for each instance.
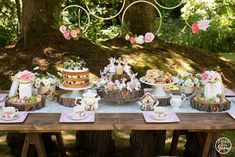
(68, 99)
(159, 92)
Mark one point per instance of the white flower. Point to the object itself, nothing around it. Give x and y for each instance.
(45, 82)
(203, 24)
(127, 37)
(38, 80)
(37, 85)
(139, 39)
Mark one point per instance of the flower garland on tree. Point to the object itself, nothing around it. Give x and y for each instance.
(147, 38)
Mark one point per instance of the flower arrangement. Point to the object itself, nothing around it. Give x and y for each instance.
(147, 38)
(74, 64)
(68, 33)
(187, 79)
(45, 80)
(210, 76)
(25, 76)
(200, 25)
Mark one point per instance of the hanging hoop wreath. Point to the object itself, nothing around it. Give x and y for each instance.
(168, 7)
(70, 30)
(147, 2)
(106, 18)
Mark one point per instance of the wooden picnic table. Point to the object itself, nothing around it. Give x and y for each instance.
(37, 123)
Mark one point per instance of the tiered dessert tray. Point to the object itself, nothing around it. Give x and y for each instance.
(68, 99)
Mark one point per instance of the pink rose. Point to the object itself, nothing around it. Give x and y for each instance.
(149, 37)
(73, 33)
(132, 40)
(204, 76)
(195, 28)
(63, 28)
(78, 31)
(67, 35)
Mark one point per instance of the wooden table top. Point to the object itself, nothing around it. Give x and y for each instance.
(49, 122)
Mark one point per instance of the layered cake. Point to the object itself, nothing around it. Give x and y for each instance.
(118, 83)
(75, 75)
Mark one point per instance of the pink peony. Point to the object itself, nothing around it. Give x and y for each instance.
(203, 24)
(195, 28)
(67, 35)
(73, 33)
(63, 29)
(25, 76)
(149, 37)
(132, 40)
(204, 76)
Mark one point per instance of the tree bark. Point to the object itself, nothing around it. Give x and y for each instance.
(141, 16)
(37, 19)
(95, 143)
(147, 143)
(18, 11)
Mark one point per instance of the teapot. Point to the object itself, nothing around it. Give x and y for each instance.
(176, 101)
(89, 100)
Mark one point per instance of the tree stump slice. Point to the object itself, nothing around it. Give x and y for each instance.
(95, 143)
(16, 140)
(120, 97)
(147, 143)
(26, 107)
(68, 102)
(218, 107)
(164, 101)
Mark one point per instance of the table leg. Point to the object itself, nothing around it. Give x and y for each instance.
(205, 147)
(36, 140)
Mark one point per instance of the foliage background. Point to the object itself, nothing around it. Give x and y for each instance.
(220, 36)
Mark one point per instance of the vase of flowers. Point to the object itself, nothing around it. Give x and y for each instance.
(25, 79)
(46, 85)
(188, 82)
(213, 86)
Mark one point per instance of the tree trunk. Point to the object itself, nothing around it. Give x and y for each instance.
(147, 143)
(141, 16)
(18, 11)
(95, 143)
(37, 19)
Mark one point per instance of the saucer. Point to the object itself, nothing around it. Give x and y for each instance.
(17, 116)
(77, 118)
(153, 116)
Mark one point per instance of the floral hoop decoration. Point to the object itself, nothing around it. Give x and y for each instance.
(73, 30)
(45, 80)
(147, 38)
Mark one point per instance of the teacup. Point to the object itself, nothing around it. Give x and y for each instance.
(160, 112)
(9, 112)
(177, 100)
(78, 112)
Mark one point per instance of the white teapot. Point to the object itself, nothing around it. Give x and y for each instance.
(90, 100)
(177, 100)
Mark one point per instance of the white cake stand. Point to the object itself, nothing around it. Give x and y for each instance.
(158, 88)
(75, 93)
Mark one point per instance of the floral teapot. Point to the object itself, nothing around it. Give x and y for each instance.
(89, 100)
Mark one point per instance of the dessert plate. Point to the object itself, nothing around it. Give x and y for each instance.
(20, 118)
(148, 117)
(65, 117)
(153, 116)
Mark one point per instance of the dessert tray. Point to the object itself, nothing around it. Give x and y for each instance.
(159, 91)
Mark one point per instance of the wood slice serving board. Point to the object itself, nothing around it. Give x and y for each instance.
(216, 107)
(26, 107)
